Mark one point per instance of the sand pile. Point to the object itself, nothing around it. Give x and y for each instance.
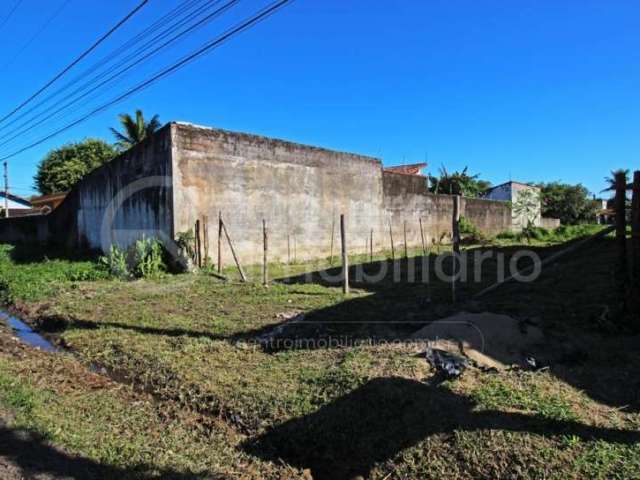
(490, 340)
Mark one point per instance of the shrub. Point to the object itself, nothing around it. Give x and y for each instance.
(146, 258)
(143, 259)
(470, 232)
(537, 233)
(507, 235)
(116, 263)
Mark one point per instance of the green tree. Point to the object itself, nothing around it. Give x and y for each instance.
(134, 130)
(611, 181)
(458, 183)
(570, 203)
(63, 167)
(527, 206)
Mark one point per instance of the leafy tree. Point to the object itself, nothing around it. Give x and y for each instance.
(570, 203)
(527, 208)
(458, 183)
(134, 130)
(63, 167)
(611, 181)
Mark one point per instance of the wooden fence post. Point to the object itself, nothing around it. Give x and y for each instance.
(265, 273)
(198, 244)
(393, 248)
(195, 245)
(371, 247)
(288, 247)
(345, 256)
(621, 233)
(205, 238)
(219, 242)
(406, 248)
(233, 252)
(333, 234)
(635, 243)
(424, 248)
(455, 237)
(456, 224)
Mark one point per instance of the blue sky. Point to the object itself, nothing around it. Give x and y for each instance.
(528, 90)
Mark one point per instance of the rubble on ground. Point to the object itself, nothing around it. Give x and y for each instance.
(486, 339)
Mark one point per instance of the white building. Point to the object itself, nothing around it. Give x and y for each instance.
(511, 192)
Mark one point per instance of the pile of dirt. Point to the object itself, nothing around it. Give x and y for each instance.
(488, 339)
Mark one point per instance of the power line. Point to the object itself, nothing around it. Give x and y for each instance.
(32, 125)
(29, 123)
(206, 48)
(78, 60)
(37, 33)
(8, 16)
(105, 60)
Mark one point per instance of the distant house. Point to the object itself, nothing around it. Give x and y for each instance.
(509, 192)
(18, 206)
(48, 203)
(410, 169)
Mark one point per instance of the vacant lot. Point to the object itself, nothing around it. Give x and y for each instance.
(166, 377)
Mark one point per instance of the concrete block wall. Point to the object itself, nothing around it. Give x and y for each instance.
(490, 216)
(138, 185)
(299, 190)
(407, 199)
(77, 222)
(549, 223)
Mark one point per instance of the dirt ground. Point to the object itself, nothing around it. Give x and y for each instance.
(209, 404)
(490, 340)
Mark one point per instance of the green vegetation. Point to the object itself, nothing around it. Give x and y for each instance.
(569, 203)
(197, 396)
(529, 393)
(458, 183)
(527, 208)
(30, 276)
(63, 167)
(542, 236)
(134, 130)
(470, 233)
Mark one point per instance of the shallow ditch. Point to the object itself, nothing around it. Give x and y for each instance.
(26, 334)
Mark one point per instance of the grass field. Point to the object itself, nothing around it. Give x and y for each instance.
(164, 378)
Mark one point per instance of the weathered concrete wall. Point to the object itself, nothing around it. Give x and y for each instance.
(184, 173)
(137, 185)
(299, 190)
(31, 229)
(490, 216)
(407, 199)
(140, 178)
(549, 223)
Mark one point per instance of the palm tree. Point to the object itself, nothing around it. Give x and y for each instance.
(134, 130)
(611, 181)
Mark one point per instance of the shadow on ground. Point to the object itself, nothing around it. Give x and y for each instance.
(387, 415)
(32, 456)
(21, 253)
(587, 349)
(573, 301)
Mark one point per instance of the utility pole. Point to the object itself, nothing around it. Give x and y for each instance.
(6, 190)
